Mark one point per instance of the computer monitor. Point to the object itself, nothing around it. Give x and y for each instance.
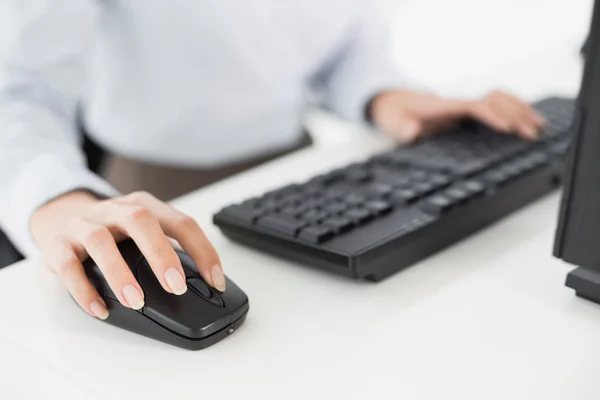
(577, 239)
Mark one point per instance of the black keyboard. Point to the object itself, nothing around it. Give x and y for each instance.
(369, 220)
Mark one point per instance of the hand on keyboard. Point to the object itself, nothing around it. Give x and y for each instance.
(408, 115)
(372, 218)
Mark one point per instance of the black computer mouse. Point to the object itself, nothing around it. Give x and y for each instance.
(199, 318)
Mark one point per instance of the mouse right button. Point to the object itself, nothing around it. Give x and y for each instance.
(190, 315)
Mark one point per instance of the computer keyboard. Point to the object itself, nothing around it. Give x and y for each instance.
(369, 220)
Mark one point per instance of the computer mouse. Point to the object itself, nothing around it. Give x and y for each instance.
(198, 319)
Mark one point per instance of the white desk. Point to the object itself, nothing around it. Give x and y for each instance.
(487, 319)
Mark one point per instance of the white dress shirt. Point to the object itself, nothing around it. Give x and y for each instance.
(184, 82)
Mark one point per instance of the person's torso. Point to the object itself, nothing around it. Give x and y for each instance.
(204, 82)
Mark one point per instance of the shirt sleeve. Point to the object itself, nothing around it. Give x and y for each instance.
(41, 84)
(362, 67)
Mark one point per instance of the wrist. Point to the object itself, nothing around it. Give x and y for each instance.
(369, 109)
(388, 102)
(58, 211)
(384, 105)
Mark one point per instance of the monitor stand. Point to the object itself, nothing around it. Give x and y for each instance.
(586, 283)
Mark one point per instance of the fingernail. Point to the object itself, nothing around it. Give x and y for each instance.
(133, 296)
(99, 309)
(540, 118)
(175, 281)
(218, 278)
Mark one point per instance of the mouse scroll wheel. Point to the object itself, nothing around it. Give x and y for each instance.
(199, 287)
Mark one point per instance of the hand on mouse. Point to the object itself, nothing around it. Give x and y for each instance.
(408, 115)
(78, 225)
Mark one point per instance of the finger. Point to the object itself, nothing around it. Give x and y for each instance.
(141, 225)
(189, 235)
(526, 129)
(528, 110)
(62, 259)
(407, 129)
(485, 114)
(101, 247)
(527, 117)
(440, 125)
(513, 112)
(527, 126)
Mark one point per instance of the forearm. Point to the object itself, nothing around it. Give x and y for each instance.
(41, 81)
(364, 69)
(376, 104)
(40, 160)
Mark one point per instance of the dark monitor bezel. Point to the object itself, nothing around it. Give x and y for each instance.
(569, 245)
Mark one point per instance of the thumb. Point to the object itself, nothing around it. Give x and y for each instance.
(407, 129)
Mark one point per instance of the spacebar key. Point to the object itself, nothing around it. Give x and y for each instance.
(288, 226)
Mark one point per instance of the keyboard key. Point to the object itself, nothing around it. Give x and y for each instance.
(559, 149)
(440, 181)
(338, 224)
(284, 191)
(473, 187)
(327, 179)
(497, 178)
(358, 175)
(525, 163)
(354, 199)
(335, 208)
(314, 216)
(245, 214)
(539, 158)
(379, 207)
(457, 195)
(400, 182)
(417, 175)
(359, 215)
(271, 204)
(471, 168)
(513, 147)
(292, 199)
(316, 234)
(512, 170)
(396, 179)
(315, 202)
(421, 221)
(398, 158)
(404, 196)
(424, 188)
(336, 193)
(379, 190)
(312, 189)
(281, 224)
(252, 203)
(291, 212)
(438, 205)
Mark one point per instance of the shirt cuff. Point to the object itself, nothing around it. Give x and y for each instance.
(354, 104)
(42, 180)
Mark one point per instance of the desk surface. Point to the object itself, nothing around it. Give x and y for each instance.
(487, 319)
